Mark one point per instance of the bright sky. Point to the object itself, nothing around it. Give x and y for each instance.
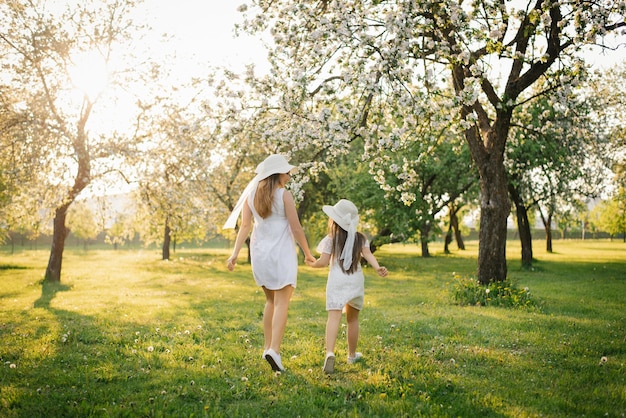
(204, 34)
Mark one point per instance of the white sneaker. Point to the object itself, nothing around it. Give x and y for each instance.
(273, 358)
(329, 363)
(357, 357)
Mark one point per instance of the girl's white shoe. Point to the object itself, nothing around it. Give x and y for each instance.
(357, 357)
(273, 358)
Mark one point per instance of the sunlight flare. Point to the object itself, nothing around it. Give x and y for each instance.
(89, 73)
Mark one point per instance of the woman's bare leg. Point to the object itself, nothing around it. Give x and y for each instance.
(281, 301)
(268, 315)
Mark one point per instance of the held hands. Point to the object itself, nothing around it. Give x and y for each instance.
(232, 261)
(310, 260)
(382, 271)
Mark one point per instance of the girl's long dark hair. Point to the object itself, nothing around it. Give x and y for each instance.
(264, 197)
(339, 236)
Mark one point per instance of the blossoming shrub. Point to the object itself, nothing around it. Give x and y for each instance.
(468, 291)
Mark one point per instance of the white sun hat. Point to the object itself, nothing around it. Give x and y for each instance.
(346, 215)
(274, 164)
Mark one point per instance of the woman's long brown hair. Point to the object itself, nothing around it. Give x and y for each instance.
(264, 197)
(339, 236)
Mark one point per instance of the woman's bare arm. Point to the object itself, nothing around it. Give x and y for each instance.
(244, 231)
(296, 227)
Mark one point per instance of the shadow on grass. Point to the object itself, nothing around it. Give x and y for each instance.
(12, 267)
(48, 292)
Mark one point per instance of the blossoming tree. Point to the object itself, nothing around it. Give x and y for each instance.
(375, 67)
(42, 46)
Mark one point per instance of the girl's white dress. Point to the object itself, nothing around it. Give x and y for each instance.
(273, 251)
(342, 289)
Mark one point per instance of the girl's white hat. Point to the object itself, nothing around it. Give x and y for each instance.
(274, 164)
(346, 215)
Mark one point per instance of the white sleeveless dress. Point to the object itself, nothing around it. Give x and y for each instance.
(342, 289)
(273, 251)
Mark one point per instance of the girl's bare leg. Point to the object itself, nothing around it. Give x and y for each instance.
(352, 317)
(332, 329)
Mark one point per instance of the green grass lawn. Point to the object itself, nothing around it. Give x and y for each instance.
(126, 334)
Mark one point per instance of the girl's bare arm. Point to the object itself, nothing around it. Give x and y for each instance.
(369, 257)
(323, 261)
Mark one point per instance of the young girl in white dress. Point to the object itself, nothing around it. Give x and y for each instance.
(273, 252)
(343, 249)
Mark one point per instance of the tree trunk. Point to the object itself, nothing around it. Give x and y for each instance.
(448, 240)
(523, 226)
(454, 222)
(165, 251)
(494, 211)
(454, 226)
(59, 234)
(547, 223)
(424, 232)
(82, 179)
(486, 139)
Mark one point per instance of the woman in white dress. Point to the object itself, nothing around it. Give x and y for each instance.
(343, 248)
(272, 249)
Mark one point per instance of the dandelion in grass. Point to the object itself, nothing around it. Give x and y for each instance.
(12, 366)
(603, 360)
(187, 332)
(487, 291)
(244, 379)
(151, 349)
